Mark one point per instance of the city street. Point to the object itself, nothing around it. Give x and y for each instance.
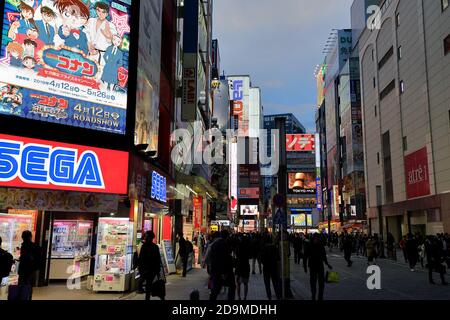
(397, 283)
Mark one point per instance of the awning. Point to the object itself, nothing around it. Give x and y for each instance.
(197, 183)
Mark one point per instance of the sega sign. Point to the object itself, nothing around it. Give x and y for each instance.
(159, 185)
(32, 163)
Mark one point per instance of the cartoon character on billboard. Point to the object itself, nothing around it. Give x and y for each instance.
(26, 17)
(113, 60)
(29, 63)
(100, 32)
(74, 15)
(29, 48)
(15, 51)
(45, 26)
(11, 97)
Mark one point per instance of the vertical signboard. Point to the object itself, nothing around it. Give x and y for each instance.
(233, 177)
(254, 117)
(335, 201)
(148, 80)
(198, 213)
(66, 62)
(240, 95)
(318, 174)
(189, 99)
(417, 174)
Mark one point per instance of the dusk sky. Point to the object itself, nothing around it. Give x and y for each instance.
(278, 43)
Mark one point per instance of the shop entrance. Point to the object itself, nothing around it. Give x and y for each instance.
(71, 244)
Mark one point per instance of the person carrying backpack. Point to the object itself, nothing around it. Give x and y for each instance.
(6, 262)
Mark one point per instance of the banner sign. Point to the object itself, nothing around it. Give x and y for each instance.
(198, 213)
(33, 163)
(417, 174)
(66, 61)
(300, 142)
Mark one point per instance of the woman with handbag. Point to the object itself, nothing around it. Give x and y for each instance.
(149, 263)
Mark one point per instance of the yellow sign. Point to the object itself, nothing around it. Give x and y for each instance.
(214, 227)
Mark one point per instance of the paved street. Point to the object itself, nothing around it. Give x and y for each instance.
(397, 282)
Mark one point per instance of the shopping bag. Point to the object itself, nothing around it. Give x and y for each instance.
(158, 289)
(332, 277)
(19, 292)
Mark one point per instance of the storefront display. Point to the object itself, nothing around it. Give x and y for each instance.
(114, 254)
(71, 249)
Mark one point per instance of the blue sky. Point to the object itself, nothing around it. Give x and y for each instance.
(278, 43)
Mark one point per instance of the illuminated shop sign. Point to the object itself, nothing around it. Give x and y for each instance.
(159, 184)
(43, 164)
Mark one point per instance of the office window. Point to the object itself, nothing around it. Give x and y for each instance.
(387, 90)
(378, 157)
(402, 87)
(400, 53)
(444, 4)
(387, 168)
(373, 55)
(386, 58)
(374, 82)
(397, 19)
(447, 45)
(405, 143)
(375, 108)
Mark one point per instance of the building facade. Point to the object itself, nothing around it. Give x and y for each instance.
(405, 76)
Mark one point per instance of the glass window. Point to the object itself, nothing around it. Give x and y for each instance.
(400, 53)
(444, 4)
(447, 45)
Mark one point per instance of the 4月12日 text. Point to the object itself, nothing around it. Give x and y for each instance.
(200, 312)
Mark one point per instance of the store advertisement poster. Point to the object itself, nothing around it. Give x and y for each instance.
(48, 200)
(301, 183)
(148, 80)
(66, 61)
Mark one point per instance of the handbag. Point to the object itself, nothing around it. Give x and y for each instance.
(158, 287)
(332, 277)
(19, 292)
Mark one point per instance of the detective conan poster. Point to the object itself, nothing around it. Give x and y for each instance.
(66, 61)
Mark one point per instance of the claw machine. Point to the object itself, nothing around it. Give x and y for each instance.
(11, 228)
(114, 255)
(71, 249)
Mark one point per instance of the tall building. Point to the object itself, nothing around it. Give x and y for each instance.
(338, 122)
(293, 126)
(405, 76)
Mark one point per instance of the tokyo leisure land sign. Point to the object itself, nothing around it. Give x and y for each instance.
(57, 66)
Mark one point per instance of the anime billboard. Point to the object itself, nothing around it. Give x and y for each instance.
(66, 61)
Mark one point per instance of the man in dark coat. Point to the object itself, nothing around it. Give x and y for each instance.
(315, 257)
(270, 258)
(149, 262)
(30, 260)
(348, 248)
(221, 267)
(183, 252)
(434, 259)
(412, 251)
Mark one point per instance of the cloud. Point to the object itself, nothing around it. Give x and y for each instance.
(278, 43)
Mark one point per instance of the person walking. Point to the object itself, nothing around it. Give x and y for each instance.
(370, 250)
(402, 245)
(390, 246)
(298, 247)
(221, 267)
(315, 257)
(270, 257)
(256, 252)
(30, 261)
(434, 259)
(242, 265)
(149, 262)
(348, 247)
(412, 251)
(183, 252)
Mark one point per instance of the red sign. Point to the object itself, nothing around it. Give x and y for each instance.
(417, 174)
(300, 142)
(198, 212)
(41, 164)
(249, 193)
